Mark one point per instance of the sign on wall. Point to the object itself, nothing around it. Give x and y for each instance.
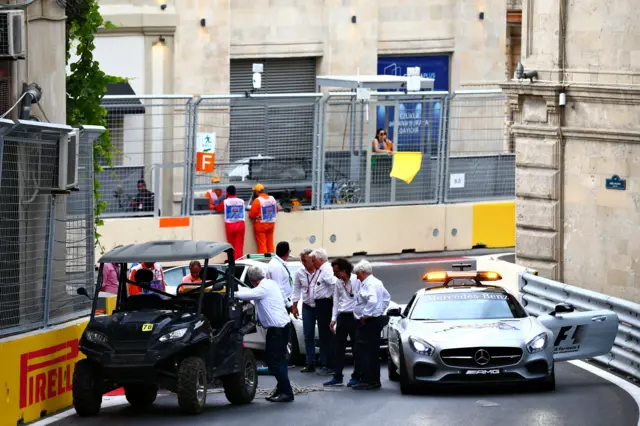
(418, 123)
(205, 152)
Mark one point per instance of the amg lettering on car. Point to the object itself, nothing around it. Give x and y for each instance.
(47, 373)
(481, 372)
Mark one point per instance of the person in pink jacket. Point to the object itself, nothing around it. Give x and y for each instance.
(110, 277)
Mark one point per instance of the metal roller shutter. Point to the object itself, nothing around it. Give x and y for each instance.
(281, 128)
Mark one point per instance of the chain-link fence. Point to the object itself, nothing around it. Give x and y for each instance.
(480, 160)
(46, 234)
(176, 154)
(148, 135)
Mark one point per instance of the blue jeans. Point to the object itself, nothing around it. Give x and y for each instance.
(275, 355)
(309, 331)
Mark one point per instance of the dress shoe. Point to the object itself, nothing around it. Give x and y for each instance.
(280, 398)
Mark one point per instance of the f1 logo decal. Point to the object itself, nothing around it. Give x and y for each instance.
(576, 336)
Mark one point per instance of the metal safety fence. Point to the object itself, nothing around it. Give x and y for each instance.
(540, 296)
(46, 223)
(175, 154)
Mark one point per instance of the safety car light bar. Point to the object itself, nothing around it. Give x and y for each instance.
(445, 277)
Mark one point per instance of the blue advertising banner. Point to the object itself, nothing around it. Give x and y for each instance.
(418, 123)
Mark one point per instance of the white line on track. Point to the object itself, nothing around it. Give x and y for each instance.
(628, 387)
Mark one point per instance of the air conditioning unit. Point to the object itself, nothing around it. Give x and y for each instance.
(68, 156)
(13, 34)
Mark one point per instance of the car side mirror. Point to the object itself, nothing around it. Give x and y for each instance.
(394, 312)
(562, 308)
(81, 291)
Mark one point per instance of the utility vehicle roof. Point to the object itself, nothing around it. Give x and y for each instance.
(165, 251)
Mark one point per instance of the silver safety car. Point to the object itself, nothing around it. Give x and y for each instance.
(464, 330)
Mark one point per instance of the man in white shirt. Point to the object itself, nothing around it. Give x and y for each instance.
(371, 302)
(304, 283)
(274, 317)
(343, 323)
(277, 271)
(325, 285)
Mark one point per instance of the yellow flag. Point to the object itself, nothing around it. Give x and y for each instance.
(406, 165)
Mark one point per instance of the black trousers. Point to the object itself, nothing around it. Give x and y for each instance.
(324, 311)
(345, 328)
(368, 348)
(275, 355)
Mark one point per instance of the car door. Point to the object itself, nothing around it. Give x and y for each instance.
(173, 277)
(255, 340)
(578, 335)
(397, 326)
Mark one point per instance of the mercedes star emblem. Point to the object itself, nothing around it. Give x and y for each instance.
(482, 357)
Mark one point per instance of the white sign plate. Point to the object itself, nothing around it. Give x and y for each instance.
(206, 142)
(456, 180)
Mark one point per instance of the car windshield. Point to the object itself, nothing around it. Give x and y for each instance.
(467, 306)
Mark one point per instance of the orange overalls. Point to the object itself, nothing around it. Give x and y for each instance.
(213, 195)
(263, 213)
(233, 209)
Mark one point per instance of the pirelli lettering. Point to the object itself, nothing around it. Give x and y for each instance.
(47, 373)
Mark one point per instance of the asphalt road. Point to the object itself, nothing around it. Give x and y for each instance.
(580, 399)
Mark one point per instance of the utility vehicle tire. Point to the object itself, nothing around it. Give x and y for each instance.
(240, 387)
(192, 385)
(141, 395)
(87, 389)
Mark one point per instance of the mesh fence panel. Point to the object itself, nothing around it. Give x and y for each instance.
(28, 170)
(480, 164)
(266, 140)
(146, 133)
(76, 268)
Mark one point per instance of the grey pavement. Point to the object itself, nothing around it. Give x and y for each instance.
(580, 399)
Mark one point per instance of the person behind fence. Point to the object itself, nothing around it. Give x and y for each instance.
(343, 323)
(143, 200)
(371, 302)
(214, 195)
(304, 282)
(263, 214)
(157, 283)
(233, 209)
(273, 316)
(325, 285)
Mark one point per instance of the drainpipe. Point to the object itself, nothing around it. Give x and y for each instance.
(32, 94)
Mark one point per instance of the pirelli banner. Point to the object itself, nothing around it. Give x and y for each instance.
(36, 373)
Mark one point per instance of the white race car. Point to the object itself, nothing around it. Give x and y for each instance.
(256, 341)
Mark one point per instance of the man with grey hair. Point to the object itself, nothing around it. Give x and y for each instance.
(304, 283)
(324, 289)
(371, 302)
(272, 314)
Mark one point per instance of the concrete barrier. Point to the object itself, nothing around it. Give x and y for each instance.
(343, 232)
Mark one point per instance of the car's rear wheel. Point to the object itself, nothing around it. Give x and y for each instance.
(141, 395)
(192, 385)
(87, 389)
(392, 370)
(294, 357)
(240, 387)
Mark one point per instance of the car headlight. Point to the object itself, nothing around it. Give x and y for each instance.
(420, 346)
(175, 334)
(95, 337)
(538, 343)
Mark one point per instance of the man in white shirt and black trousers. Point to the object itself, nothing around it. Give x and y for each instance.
(371, 302)
(273, 316)
(278, 271)
(343, 323)
(304, 286)
(325, 285)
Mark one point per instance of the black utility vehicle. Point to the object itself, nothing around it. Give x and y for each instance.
(186, 343)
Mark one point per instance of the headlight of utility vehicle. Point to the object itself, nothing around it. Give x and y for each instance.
(175, 334)
(538, 343)
(420, 346)
(95, 337)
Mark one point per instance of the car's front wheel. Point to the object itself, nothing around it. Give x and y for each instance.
(87, 389)
(192, 385)
(392, 370)
(406, 386)
(240, 387)
(548, 384)
(294, 356)
(141, 395)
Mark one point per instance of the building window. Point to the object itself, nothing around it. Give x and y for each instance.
(514, 37)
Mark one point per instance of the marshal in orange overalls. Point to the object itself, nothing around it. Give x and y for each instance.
(263, 213)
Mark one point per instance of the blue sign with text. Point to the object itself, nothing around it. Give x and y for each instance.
(418, 123)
